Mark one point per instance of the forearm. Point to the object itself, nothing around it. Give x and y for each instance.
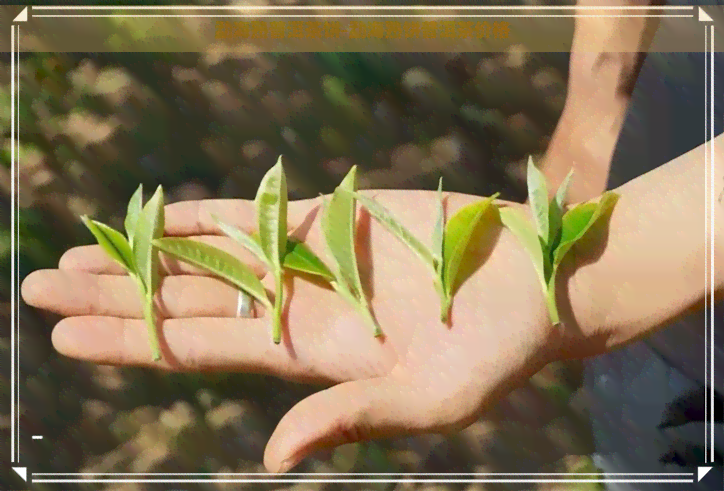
(650, 269)
(606, 57)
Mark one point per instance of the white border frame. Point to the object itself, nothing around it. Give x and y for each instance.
(618, 11)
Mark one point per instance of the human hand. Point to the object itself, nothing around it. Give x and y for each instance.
(422, 376)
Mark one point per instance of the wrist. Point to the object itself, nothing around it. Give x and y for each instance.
(645, 266)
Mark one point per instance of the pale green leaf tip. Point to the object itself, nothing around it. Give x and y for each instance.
(350, 179)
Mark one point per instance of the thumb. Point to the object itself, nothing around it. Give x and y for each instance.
(349, 412)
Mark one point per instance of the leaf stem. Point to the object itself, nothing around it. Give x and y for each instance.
(444, 303)
(278, 299)
(445, 313)
(551, 302)
(150, 317)
(365, 311)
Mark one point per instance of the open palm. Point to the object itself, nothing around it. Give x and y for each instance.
(421, 376)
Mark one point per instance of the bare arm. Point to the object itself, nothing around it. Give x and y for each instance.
(606, 58)
(650, 268)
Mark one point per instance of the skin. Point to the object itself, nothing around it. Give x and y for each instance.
(606, 57)
(422, 376)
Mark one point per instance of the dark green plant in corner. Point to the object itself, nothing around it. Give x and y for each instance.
(449, 242)
(555, 231)
(136, 253)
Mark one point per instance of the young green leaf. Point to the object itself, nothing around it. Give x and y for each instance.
(562, 192)
(515, 221)
(538, 196)
(251, 243)
(299, 257)
(557, 232)
(338, 223)
(449, 242)
(134, 211)
(458, 233)
(438, 231)
(217, 261)
(579, 220)
(271, 209)
(113, 242)
(555, 214)
(149, 227)
(338, 226)
(383, 216)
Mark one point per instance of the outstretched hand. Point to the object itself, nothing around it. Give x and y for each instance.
(421, 376)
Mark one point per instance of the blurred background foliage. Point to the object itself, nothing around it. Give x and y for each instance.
(209, 125)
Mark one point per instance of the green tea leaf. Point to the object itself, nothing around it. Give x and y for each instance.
(437, 233)
(134, 211)
(299, 257)
(555, 214)
(271, 209)
(383, 216)
(150, 226)
(251, 243)
(574, 226)
(579, 220)
(562, 192)
(515, 221)
(338, 226)
(217, 261)
(113, 242)
(458, 233)
(338, 223)
(538, 196)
